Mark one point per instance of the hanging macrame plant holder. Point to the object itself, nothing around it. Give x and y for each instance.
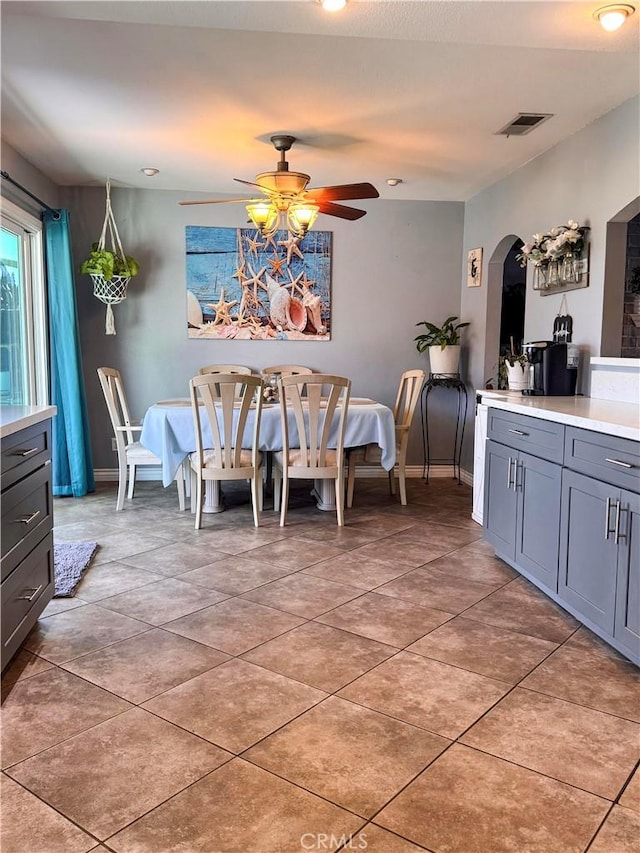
(114, 290)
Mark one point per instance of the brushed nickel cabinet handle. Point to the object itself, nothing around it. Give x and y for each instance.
(607, 518)
(27, 519)
(509, 472)
(518, 466)
(617, 536)
(517, 432)
(22, 452)
(34, 591)
(618, 462)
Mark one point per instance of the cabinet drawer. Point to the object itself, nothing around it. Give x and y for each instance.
(26, 517)
(605, 457)
(538, 437)
(24, 452)
(25, 594)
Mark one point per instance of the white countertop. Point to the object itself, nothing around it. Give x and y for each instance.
(15, 418)
(619, 419)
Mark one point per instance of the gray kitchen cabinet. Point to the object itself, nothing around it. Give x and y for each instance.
(626, 629)
(499, 512)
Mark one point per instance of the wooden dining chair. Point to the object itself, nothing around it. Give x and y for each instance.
(316, 401)
(225, 368)
(225, 399)
(131, 454)
(411, 384)
(286, 370)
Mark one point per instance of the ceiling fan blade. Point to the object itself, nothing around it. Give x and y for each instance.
(249, 184)
(341, 210)
(343, 192)
(219, 201)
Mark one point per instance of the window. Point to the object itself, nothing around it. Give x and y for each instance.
(23, 331)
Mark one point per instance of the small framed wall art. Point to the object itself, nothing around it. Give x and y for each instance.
(474, 267)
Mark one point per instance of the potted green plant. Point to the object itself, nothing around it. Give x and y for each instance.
(107, 264)
(443, 343)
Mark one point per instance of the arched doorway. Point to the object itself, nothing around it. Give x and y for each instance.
(514, 295)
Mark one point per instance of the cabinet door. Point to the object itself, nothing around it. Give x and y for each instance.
(588, 552)
(500, 498)
(627, 622)
(538, 486)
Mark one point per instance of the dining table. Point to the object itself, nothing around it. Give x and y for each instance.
(168, 430)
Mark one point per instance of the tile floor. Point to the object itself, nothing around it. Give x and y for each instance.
(391, 687)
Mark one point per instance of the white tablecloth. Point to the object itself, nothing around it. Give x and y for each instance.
(168, 432)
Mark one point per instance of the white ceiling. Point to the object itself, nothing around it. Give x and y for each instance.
(415, 90)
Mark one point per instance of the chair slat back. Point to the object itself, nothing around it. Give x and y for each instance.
(411, 384)
(225, 368)
(286, 370)
(318, 396)
(227, 399)
(115, 398)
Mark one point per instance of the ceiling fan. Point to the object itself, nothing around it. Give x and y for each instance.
(288, 198)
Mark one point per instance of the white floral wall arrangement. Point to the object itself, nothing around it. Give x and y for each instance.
(559, 257)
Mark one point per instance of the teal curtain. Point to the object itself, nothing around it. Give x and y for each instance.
(71, 445)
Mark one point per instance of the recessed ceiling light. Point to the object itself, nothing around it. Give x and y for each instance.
(613, 17)
(333, 5)
(393, 182)
(149, 171)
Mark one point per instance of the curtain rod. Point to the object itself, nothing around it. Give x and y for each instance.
(7, 177)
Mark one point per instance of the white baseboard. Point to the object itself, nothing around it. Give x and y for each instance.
(152, 472)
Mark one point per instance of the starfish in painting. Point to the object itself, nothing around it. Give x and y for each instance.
(222, 310)
(269, 241)
(253, 243)
(292, 245)
(276, 265)
(294, 283)
(239, 273)
(305, 282)
(254, 280)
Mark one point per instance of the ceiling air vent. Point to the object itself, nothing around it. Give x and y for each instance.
(523, 123)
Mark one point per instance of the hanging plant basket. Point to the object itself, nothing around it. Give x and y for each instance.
(110, 271)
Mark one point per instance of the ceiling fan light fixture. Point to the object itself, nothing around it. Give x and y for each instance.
(333, 5)
(264, 216)
(301, 216)
(613, 17)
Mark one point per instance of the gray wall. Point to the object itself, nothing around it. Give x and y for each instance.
(589, 177)
(24, 173)
(397, 266)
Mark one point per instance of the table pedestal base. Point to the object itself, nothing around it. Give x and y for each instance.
(324, 491)
(212, 497)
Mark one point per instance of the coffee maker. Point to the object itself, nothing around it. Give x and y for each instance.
(553, 369)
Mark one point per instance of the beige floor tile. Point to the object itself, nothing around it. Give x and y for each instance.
(468, 802)
(68, 635)
(117, 546)
(112, 774)
(386, 619)
(399, 550)
(364, 572)
(107, 579)
(577, 745)
(441, 698)
(250, 702)
(352, 535)
(620, 833)
(238, 539)
(350, 755)
(379, 840)
(234, 575)
(437, 589)
(24, 665)
(292, 553)
(271, 816)
(481, 546)
(441, 537)
(587, 671)
(174, 559)
(61, 605)
(87, 530)
(520, 607)
(485, 649)
(321, 656)
(30, 826)
(234, 626)
(146, 665)
(474, 566)
(162, 601)
(631, 795)
(302, 595)
(48, 708)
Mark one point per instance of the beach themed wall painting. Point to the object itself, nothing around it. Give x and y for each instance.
(243, 286)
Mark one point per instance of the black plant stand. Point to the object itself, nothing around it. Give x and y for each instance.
(444, 380)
